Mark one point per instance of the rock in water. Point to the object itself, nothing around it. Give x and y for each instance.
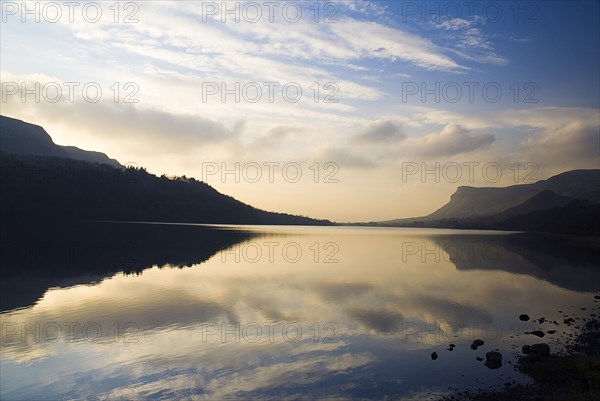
(524, 317)
(541, 349)
(538, 333)
(493, 356)
(493, 359)
(434, 355)
(535, 352)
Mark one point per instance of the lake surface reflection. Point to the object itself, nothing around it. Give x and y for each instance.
(155, 311)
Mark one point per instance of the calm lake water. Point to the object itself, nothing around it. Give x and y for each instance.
(155, 311)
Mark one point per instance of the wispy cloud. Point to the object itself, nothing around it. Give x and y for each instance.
(466, 38)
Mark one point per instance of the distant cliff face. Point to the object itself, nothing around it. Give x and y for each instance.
(469, 202)
(22, 138)
(567, 203)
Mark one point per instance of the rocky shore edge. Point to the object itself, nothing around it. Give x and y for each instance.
(571, 373)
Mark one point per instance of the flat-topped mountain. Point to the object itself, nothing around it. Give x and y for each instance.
(568, 202)
(473, 202)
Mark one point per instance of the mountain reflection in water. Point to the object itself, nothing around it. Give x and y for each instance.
(152, 311)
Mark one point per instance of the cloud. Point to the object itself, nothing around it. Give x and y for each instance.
(381, 132)
(476, 46)
(299, 44)
(128, 126)
(275, 137)
(451, 140)
(549, 117)
(372, 40)
(556, 139)
(455, 24)
(365, 7)
(468, 41)
(572, 146)
(344, 157)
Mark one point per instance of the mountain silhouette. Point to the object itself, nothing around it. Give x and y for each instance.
(42, 181)
(566, 203)
(472, 201)
(578, 217)
(544, 200)
(22, 138)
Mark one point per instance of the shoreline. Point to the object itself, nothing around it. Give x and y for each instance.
(570, 373)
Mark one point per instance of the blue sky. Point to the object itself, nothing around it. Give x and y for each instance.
(374, 58)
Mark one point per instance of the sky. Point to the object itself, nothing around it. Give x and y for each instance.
(344, 110)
